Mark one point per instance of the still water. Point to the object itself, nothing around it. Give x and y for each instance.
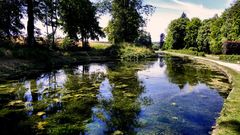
(169, 95)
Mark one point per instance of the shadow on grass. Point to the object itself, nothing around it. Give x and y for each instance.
(233, 125)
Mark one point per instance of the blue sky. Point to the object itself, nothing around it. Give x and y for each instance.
(167, 10)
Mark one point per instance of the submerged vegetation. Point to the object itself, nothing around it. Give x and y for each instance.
(116, 97)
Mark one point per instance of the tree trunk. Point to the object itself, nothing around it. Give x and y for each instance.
(30, 25)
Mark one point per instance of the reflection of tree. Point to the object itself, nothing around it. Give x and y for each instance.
(124, 107)
(78, 97)
(182, 71)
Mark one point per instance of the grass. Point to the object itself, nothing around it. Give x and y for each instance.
(187, 51)
(230, 58)
(229, 121)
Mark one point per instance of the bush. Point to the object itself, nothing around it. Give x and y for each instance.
(127, 51)
(66, 43)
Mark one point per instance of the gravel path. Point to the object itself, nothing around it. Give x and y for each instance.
(233, 66)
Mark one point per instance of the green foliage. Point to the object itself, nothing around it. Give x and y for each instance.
(215, 36)
(203, 38)
(231, 26)
(192, 32)
(127, 51)
(144, 39)
(126, 20)
(79, 19)
(190, 52)
(10, 18)
(207, 37)
(176, 34)
(66, 43)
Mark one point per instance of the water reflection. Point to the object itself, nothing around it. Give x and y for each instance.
(166, 96)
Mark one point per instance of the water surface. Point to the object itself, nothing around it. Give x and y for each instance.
(169, 95)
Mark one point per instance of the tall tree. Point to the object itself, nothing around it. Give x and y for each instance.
(49, 14)
(176, 34)
(30, 23)
(10, 18)
(192, 33)
(126, 20)
(80, 20)
(216, 35)
(203, 38)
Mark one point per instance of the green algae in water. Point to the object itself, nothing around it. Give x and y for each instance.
(169, 95)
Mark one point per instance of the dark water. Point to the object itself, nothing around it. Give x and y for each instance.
(168, 95)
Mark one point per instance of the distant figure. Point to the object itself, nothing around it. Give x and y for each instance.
(162, 37)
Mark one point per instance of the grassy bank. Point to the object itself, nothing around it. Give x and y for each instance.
(230, 58)
(189, 52)
(229, 121)
(129, 52)
(18, 61)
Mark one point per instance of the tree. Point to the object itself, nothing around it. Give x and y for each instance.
(162, 37)
(184, 15)
(10, 18)
(231, 26)
(216, 35)
(49, 14)
(192, 33)
(30, 23)
(203, 38)
(126, 20)
(176, 34)
(144, 38)
(79, 19)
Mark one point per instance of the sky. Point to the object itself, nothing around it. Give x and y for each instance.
(166, 11)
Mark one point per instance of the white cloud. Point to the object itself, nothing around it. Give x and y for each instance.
(229, 2)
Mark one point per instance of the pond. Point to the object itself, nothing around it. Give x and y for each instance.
(168, 95)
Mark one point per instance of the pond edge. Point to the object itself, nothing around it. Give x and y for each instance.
(229, 120)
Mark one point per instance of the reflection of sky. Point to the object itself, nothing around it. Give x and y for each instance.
(105, 90)
(93, 68)
(190, 107)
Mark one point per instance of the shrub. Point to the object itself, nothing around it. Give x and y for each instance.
(66, 43)
(127, 51)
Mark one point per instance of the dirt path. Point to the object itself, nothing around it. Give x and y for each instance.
(233, 66)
